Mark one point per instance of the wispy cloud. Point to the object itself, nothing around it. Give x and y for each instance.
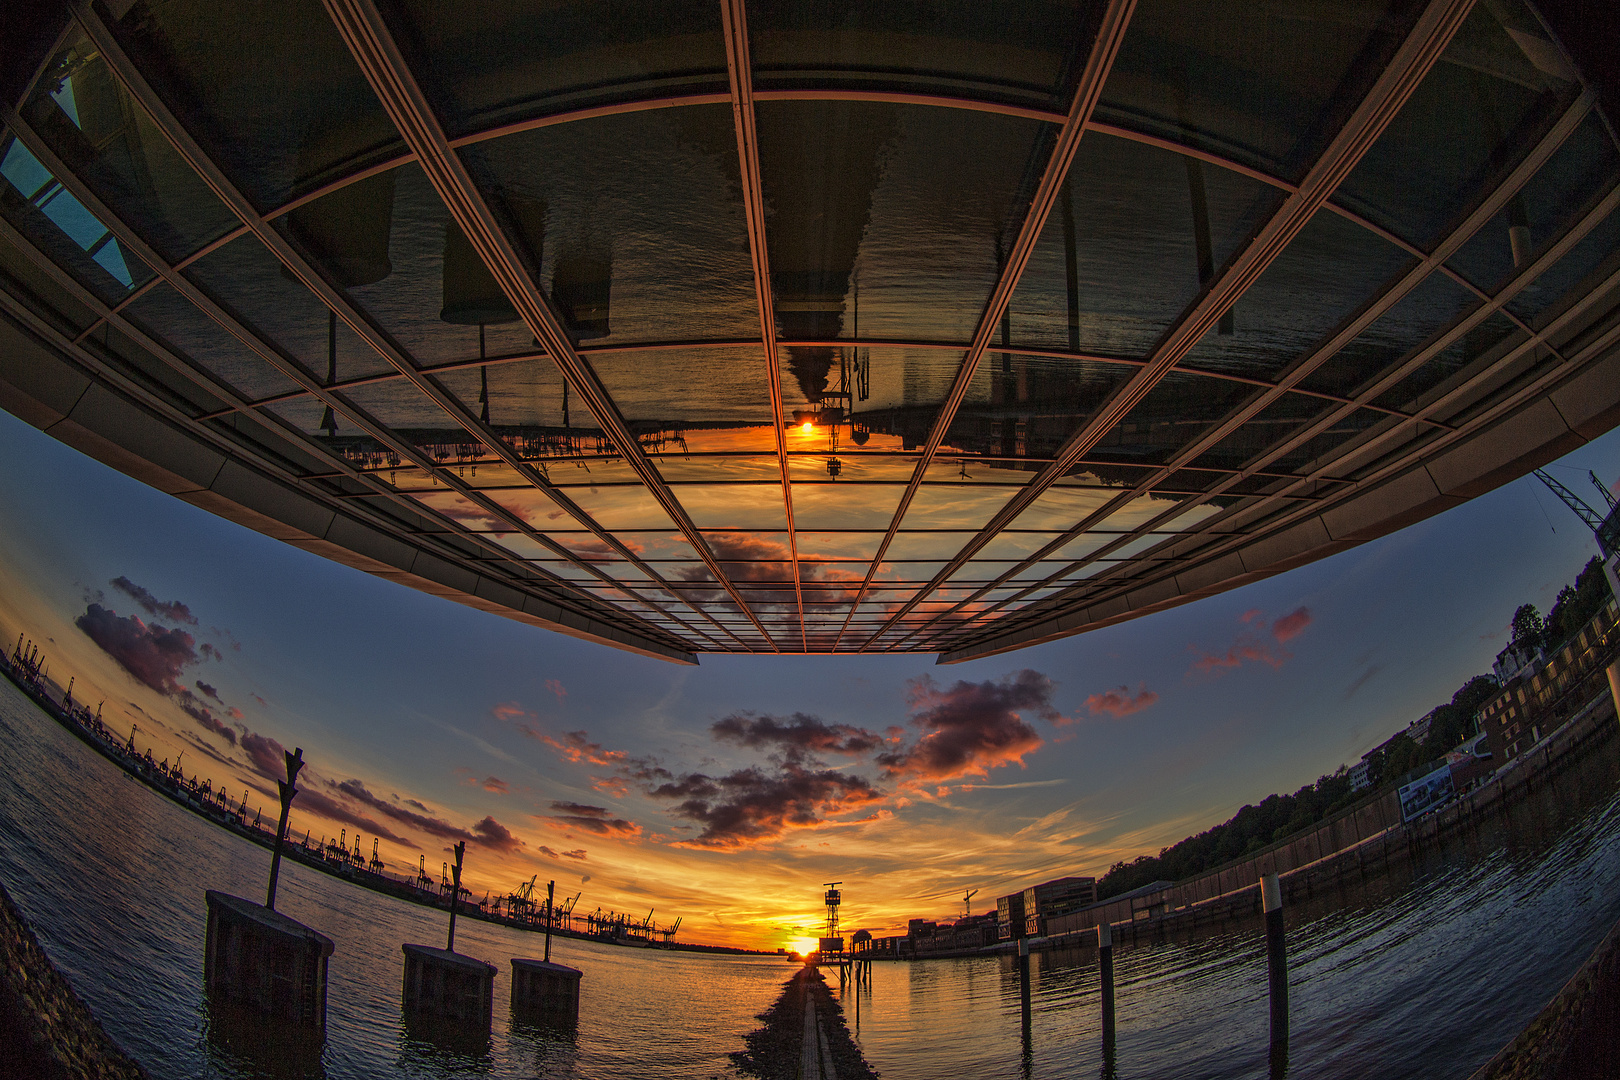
(1120, 702)
(1252, 644)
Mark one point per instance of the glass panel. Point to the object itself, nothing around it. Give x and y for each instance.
(1498, 86)
(725, 393)
(1270, 426)
(526, 404)
(621, 506)
(1137, 232)
(1266, 87)
(506, 60)
(677, 466)
(44, 295)
(1020, 407)
(172, 319)
(734, 506)
(1575, 177)
(633, 223)
(250, 283)
(1494, 335)
(890, 221)
(281, 116)
(1427, 309)
(1060, 509)
(58, 224)
(954, 506)
(1026, 51)
(843, 506)
(1316, 451)
(1331, 268)
(1175, 412)
(860, 546)
(1585, 265)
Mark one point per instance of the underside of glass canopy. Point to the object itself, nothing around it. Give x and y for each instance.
(822, 326)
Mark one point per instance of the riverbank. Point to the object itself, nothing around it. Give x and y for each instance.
(46, 1032)
(804, 1037)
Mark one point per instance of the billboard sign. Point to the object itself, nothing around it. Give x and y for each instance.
(1426, 792)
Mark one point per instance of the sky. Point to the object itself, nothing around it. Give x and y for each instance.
(726, 794)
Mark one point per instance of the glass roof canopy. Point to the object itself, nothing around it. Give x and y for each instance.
(815, 325)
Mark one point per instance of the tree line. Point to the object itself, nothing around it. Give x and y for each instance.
(1278, 816)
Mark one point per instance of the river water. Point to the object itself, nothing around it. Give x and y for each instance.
(1422, 972)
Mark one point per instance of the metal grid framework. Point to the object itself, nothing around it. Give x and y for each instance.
(1000, 488)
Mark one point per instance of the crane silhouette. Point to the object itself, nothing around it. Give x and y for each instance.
(967, 903)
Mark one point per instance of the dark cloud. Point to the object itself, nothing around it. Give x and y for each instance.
(576, 746)
(595, 819)
(209, 691)
(751, 806)
(334, 810)
(763, 569)
(971, 728)
(496, 785)
(487, 833)
(193, 707)
(548, 852)
(495, 836)
(209, 651)
(577, 853)
(153, 654)
(173, 610)
(800, 732)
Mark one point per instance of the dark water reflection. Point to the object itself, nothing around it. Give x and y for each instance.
(1423, 971)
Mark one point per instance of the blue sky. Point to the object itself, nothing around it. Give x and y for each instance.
(453, 717)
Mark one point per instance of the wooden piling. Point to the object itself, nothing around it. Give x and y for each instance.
(1105, 968)
(1276, 960)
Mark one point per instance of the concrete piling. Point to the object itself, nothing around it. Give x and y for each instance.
(1276, 961)
(545, 991)
(262, 966)
(445, 985)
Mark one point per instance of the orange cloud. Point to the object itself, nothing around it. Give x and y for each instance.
(1121, 702)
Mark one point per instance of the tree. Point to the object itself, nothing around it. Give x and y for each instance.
(1527, 626)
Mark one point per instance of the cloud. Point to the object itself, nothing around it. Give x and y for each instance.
(749, 807)
(1362, 680)
(495, 836)
(1120, 702)
(576, 746)
(268, 758)
(208, 690)
(194, 708)
(209, 651)
(1250, 646)
(763, 568)
(509, 710)
(577, 853)
(172, 610)
(1290, 626)
(556, 687)
(156, 656)
(496, 785)
(234, 713)
(801, 732)
(548, 852)
(970, 728)
(596, 819)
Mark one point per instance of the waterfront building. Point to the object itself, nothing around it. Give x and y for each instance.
(1360, 772)
(1057, 897)
(1545, 695)
(653, 332)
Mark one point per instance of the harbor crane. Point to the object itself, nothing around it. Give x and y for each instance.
(967, 903)
(1607, 539)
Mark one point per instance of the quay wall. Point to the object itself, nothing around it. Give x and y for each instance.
(1359, 838)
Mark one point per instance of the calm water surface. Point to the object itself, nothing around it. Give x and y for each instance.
(1424, 972)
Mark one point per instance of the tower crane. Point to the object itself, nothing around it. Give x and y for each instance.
(1606, 539)
(967, 903)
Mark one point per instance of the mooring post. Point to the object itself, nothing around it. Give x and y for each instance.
(1105, 966)
(289, 788)
(1023, 981)
(455, 895)
(551, 895)
(1276, 960)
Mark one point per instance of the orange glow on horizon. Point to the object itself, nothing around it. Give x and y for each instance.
(806, 427)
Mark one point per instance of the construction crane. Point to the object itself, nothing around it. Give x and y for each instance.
(670, 931)
(967, 903)
(1606, 538)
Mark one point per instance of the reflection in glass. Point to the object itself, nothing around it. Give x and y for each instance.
(1025, 52)
(1498, 86)
(276, 99)
(1421, 313)
(1137, 232)
(507, 63)
(172, 319)
(38, 206)
(890, 221)
(1476, 350)
(1580, 172)
(106, 139)
(1026, 407)
(1247, 81)
(1327, 271)
(1179, 408)
(632, 223)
